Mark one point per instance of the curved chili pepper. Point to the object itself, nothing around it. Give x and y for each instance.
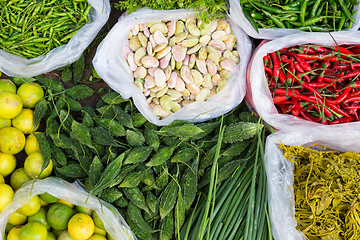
(343, 50)
(352, 74)
(341, 98)
(302, 63)
(342, 120)
(293, 93)
(337, 109)
(277, 72)
(279, 98)
(269, 70)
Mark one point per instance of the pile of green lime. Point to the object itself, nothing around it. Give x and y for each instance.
(46, 217)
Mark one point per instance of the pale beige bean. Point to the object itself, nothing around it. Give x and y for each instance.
(135, 30)
(197, 77)
(152, 93)
(159, 27)
(142, 27)
(139, 85)
(215, 79)
(152, 40)
(160, 112)
(171, 27)
(180, 84)
(211, 67)
(175, 106)
(215, 56)
(172, 80)
(179, 27)
(223, 25)
(156, 100)
(230, 42)
(147, 92)
(143, 39)
(159, 47)
(178, 65)
(167, 72)
(129, 35)
(229, 55)
(228, 64)
(163, 52)
(192, 88)
(179, 52)
(205, 39)
(149, 82)
(201, 65)
(205, 28)
(149, 100)
(150, 62)
(165, 102)
(160, 78)
(150, 24)
(147, 32)
(207, 83)
(186, 102)
(194, 49)
(210, 49)
(213, 25)
(192, 61)
(202, 53)
(175, 95)
(202, 95)
(131, 61)
(179, 38)
(218, 45)
(140, 72)
(212, 92)
(149, 48)
(185, 93)
(221, 85)
(134, 43)
(190, 25)
(164, 62)
(219, 35)
(224, 74)
(191, 42)
(185, 74)
(236, 54)
(172, 62)
(186, 60)
(159, 37)
(162, 92)
(139, 54)
(152, 70)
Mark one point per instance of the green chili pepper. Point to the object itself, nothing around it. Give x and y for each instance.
(345, 10)
(303, 11)
(277, 22)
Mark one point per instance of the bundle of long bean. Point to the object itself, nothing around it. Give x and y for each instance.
(31, 28)
(317, 83)
(238, 206)
(307, 15)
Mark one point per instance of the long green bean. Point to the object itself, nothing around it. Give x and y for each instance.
(31, 28)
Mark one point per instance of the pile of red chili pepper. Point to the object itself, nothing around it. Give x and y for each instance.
(316, 83)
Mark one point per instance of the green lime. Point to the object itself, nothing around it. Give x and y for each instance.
(98, 222)
(64, 235)
(97, 237)
(17, 218)
(59, 215)
(31, 207)
(50, 236)
(48, 198)
(7, 85)
(82, 209)
(40, 216)
(14, 233)
(8, 227)
(18, 178)
(33, 231)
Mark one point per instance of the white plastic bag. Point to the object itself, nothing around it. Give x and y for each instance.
(239, 18)
(114, 223)
(259, 93)
(281, 177)
(111, 65)
(63, 55)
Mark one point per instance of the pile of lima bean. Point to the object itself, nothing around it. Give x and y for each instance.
(177, 62)
(151, 174)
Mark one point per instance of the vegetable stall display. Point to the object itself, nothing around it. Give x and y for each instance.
(316, 83)
(306, 15)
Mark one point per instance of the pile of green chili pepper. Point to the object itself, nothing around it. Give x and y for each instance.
(316, 83)
(31, 28)
(306, 15)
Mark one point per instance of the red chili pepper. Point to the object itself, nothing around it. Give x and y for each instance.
(277, 72)
(342, 120)
(309, 117)
(341, 98)
(266, 60)
(337, 109)
(293, 93)
(279, 98)
(304, 65)
(355, 84)
(327, 112)
(308, 50)
(340, 67)
(285, 58)
(269, 70)
(353, 107)
(321, 49)
(331, 79)
(320, 84)
(311, 89)
(352, 74)
(342, 50)
(291, 71)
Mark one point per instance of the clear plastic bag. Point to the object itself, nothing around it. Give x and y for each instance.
(238, 17)
(13, 65)
(280, 174)
(259, 96)
(114, 223)
(111, 65)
